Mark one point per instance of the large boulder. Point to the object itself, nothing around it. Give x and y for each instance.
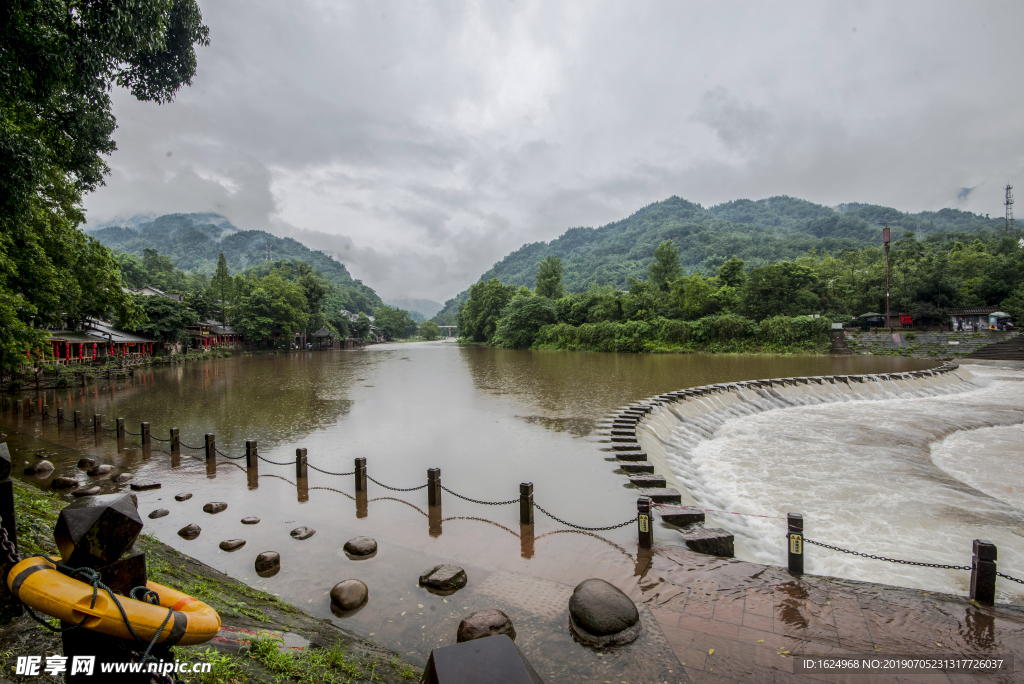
(446, 579)
(39, 468)
(485, 623)
(268, 564)
(349, 594)
(601, 615)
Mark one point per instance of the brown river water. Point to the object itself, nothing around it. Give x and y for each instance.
(488, 418)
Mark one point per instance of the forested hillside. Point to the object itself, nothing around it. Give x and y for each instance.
(759, 233)
(194, 241)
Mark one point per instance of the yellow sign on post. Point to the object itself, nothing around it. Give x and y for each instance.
(796, 544)
(644, 526)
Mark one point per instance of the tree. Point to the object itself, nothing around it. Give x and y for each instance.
(57, 63)
(549, 278)
(641, 303)
(478, 316)
(429, 330)
(166, 318)
(361, 326)
(222, 286)
(666, 267)
(521, 319)
(731, 272)
(779, 290)
(274, 304)
(393, 322)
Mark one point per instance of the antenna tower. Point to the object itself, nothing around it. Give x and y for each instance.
(1009, 209)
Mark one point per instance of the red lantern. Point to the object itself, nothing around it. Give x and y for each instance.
(94, 350)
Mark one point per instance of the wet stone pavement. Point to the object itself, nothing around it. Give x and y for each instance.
(732, 621)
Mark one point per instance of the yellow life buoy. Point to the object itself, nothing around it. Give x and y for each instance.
(38, 584)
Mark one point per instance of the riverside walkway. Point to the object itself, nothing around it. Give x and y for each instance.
(734, 621)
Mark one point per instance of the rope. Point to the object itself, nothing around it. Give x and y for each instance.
(486, 503)
(891, 560)
(395, 489)
(587, 529)
(226, 456)
(328, 472)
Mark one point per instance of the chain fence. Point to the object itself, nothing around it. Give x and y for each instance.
(328, 472)
(280, 463)
(221, 453)
(940, 566)
(477, 501)
(587, 529)
(395, 489)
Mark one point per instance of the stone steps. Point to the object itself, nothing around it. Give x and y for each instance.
(677, 515)
(631, 455)
(710, 540)
(665, 495)
(637, 466)
(648, 481)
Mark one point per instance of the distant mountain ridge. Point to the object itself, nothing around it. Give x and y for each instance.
(759, 232)
(194, 242)
(427, 308)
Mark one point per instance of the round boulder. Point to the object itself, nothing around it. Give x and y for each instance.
(349, 595)
(251, 520)
(121, 478)
(86, 463)
(485, 623)
(90, 491)
(215, 507)
(102, 469)
(232, 544)
(268, 564)
(303, 532)
(63, 483)
(184, 496)
(159, 513)
(361, 547)
(601, 615)
(190, 532)
(39, 468)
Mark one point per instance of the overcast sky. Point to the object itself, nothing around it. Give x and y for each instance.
(420, 142)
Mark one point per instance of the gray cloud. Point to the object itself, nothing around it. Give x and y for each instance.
(419, 143)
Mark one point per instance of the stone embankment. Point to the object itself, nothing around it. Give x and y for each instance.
(923, 344)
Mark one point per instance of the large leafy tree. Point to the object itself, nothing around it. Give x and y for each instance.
(395, 323)
(165, 318)
(666, 267)
(478, 316)
(522, 318)
(549, 278)
(223, 286)
(58, 61)
(273, 304)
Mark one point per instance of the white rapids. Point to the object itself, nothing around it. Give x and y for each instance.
(907, 468)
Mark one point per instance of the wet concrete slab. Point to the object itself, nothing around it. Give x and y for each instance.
(734, 621)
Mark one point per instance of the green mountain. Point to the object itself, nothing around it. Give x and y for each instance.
(759, 232)
(194, 242)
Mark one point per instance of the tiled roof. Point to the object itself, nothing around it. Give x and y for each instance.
(972, 310)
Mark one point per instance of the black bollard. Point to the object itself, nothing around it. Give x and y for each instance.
(360, 474)
(46, 412)
(211, 455)
(433, 486)
(77, 422)
(526, 539)
(60, 415)
(301, 481)
(983, 572)
(17, 407)
(526, 503)
(120, 429)
(97, 423)
(10, 607)
(144, 432)
(795, 539)
(175, 442)
(645, 529)
(300, 463)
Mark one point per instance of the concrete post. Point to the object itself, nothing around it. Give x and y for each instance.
(983, 572)
(360, 474)
(175, 442)
(433, 486)
(645, 529)
(60, 417)
(252, 461)
(97, 423)
(144, 429)
(46, 412)
(300, 463)
(77, 421)
(211, 449)
(526, 503)
(120, 429)
(795, 539)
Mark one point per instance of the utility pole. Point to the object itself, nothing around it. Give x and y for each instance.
(1009, 209)
(886, 237)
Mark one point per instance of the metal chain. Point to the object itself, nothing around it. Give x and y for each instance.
(8, 547)
(1012, 579)
(890, 560)
(477, 501)
(279, 478)
(395, 489)
(192, 447)
(133, 434)
(588, 529)
(275, 462)
(152, 436)
(328, 472)
(332, 489)
(226, 456)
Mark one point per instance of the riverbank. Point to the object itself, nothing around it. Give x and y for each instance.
(263, 639)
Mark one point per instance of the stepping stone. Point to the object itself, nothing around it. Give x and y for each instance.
(143, 485)
(102, 469)
(666, 495)
(87, 492)
(631, 438)
(268, 564)
(232, 544)
(648, 481)
(631, 455)
(189, 531)
(86, 463)
(159, 513)
(637, 466)
(678, 515)
(121, 478)
(39, 469)
(184, 496)
(444, 578)
(624, 433)
(303, 532)
(251, 520)
(349, 595)
(601, 615)
(632, 446)
(485, 623)
(215, 507)
(63, 483)
(710, 540)
(361, 546)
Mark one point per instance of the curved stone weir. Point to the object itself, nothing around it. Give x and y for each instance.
(645, 435)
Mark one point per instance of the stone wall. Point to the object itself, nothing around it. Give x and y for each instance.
(923, 344)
